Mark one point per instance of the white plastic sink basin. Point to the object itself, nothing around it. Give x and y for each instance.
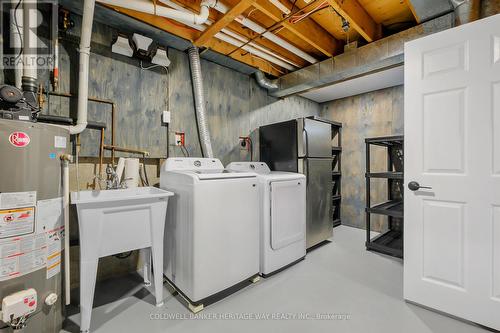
(116, 221)
(88, 197)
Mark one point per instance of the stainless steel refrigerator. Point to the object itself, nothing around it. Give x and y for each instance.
(304, 145)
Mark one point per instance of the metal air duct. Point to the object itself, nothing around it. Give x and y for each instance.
(199, 100)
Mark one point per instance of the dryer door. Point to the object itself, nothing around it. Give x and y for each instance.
(288, 212)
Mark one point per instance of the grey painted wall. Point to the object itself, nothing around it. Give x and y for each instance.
(236, 105)
(378, 113)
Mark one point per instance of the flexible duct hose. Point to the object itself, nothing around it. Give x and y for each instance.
(199, 102)
(264, 82)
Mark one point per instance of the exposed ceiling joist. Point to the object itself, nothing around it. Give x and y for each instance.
(357, 16)
(236, 27)
(192, 34)
(245, 32)
(307, 30)
(223, 22)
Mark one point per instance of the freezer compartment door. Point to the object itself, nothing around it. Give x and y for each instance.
(278, 145)
(288, 212)
(318, 172)
(316, 139)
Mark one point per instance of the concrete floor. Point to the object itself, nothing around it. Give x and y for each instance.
(354, 290)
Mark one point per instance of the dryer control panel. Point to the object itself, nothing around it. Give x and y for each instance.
(260, 168)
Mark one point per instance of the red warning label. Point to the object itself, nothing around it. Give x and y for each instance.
(19, 139)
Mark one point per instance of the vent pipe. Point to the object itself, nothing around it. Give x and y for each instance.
(16, 37)
(29, 58)
(264, 82)
(83, 74)
(146, 6)
(199, 101)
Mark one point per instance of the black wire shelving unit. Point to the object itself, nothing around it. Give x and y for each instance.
(390, 241)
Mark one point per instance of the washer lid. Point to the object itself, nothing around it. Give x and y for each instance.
(192, 163)
(211, 175)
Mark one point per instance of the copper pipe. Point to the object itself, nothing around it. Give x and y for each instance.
(113, 143)
(113, 111)
(126, 150)
(113, 148)
(92, 99)
(101, 156)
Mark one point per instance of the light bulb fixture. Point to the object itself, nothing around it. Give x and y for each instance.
(122, 46)
(142, 48)
(161, 58)
(345, 25)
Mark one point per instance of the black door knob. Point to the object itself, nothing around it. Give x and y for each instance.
(415, 186)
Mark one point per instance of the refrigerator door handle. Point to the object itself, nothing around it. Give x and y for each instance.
(306, 143)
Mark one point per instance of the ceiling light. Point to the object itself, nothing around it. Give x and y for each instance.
(161, 58)
(121, 46)
(345, 25)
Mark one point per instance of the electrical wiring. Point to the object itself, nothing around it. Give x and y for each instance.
(153, 66)
(251, 12)
(297, 18)
(168, 93)
(270, 29)
(250, 148)
(184, 150)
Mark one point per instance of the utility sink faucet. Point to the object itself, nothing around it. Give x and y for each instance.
(113, 182)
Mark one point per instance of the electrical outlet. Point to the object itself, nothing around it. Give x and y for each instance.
(180, 139)
(245, 143)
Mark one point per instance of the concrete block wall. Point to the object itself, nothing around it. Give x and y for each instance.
(236, 107)
(378, 113)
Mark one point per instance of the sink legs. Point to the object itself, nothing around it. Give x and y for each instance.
(123, 224)
(88, 275)
(157, 254)
(145, 255)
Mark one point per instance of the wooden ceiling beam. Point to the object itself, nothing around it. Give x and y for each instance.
(307, 30)
(223, 21)
(192, 34)
(357, 16)
(413, 11)
(240, 29)
(247, 33)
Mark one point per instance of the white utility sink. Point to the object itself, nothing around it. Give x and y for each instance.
(116, 221)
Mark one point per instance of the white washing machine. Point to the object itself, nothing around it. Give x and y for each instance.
(282, 216)
(211, 243)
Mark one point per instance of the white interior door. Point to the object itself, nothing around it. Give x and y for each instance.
(452, 144)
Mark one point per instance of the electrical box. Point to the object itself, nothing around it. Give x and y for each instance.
(17, 305)
(180, 139)
(165, 117)
(245, 143)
